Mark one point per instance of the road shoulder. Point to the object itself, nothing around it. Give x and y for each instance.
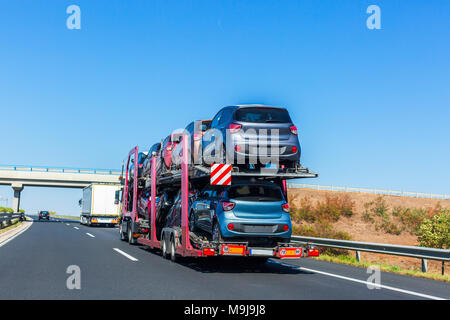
(7, 236)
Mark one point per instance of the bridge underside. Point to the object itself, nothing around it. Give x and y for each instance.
(20, 179)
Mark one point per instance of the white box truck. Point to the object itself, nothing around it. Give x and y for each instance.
(99, 205)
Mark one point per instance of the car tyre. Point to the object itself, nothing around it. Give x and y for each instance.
(192, 224)
(216, 234)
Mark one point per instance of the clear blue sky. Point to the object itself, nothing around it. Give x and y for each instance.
(372, 106)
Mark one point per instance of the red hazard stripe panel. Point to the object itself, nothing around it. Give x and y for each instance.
(220, 174)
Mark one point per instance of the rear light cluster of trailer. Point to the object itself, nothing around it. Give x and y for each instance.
(289, 253)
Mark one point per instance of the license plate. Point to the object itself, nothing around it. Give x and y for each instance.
(258, 229)
(260, 252)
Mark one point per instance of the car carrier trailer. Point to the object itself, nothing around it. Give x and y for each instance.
(180, 241)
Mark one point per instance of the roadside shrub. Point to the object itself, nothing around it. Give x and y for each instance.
(379, 206)
(390, 227)
(323, 229)
(6, 210)
(330, 209)
(435, 232)
(336, 206)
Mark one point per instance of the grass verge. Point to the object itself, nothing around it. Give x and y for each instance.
(349, 260)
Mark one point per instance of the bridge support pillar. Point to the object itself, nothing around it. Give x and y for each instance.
(17, 190)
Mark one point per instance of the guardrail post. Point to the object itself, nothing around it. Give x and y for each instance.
(358, 256)
(424, 265)
(443, 267)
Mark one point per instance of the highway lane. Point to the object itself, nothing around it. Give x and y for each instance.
(33, 266)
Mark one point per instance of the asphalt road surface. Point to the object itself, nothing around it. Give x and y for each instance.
(34, 266)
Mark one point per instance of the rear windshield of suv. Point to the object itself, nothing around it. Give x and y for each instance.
(44, 212)
(255, 193)
(262, 115)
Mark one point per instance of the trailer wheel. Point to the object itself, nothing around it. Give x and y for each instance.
(164, 248)
(173, 255)
(131, 239)
(122, 234)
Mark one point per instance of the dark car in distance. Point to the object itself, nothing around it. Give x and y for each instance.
(248, 125)
(43, 215)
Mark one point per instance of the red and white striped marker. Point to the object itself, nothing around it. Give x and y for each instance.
(221, 174)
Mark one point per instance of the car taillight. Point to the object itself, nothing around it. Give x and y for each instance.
(234, 127)
(294, 149)
(230, 226)
(227, 206)
(285, 207)
(285, 227)
(197, 136)
(293, 130)
(238, 148)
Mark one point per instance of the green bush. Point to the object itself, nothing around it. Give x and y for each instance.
(435, 232)
(323, 229)
(331, 209)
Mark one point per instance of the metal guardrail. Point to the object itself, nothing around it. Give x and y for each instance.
(10, 216)
(59, 169)
(390, 249)
(366, 190)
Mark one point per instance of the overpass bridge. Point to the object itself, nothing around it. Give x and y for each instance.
(19, 177)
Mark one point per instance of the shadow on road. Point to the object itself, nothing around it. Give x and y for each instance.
(231, 265)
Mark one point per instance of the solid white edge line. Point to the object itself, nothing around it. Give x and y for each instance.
(366, 282)
(125, 254)
(90, 235)
(16, 235)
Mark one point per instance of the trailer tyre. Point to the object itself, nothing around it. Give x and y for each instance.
(131, 239)
(122, 234)
(173, 255)
(164, 248)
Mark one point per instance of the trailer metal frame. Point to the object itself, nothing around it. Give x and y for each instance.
(170, 237)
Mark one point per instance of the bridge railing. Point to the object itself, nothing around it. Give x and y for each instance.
(59, 169)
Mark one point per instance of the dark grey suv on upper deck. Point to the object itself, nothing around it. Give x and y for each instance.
(247, 126)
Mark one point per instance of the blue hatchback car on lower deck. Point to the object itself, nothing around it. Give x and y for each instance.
(255, 212)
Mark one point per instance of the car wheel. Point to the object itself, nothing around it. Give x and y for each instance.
(192, 224)
(173, 255)
(216, 234)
